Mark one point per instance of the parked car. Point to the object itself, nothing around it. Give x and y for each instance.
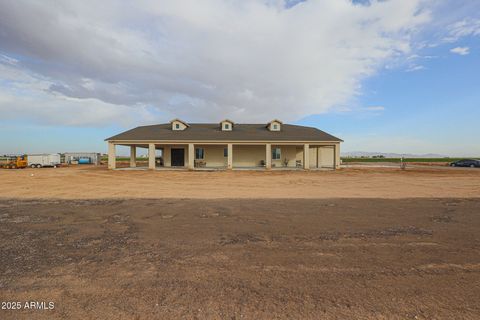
(472, 163)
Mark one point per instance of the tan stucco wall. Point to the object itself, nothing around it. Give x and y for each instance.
(320, 156)
(299, 154)
(214, 155)
(289, 152)
(326, 157)
(248, 156)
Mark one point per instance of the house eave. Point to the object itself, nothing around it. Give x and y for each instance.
(120, 141)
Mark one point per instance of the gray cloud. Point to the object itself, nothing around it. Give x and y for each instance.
(152, 60)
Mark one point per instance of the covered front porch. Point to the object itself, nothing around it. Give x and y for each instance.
(227, 156)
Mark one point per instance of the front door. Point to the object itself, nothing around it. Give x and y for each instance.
(178, 157)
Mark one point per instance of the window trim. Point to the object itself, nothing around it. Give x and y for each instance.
(274, 153)
(203, 154)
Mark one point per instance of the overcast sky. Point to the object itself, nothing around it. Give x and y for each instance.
(393, 76)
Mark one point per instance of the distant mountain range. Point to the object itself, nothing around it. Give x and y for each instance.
(357, 154)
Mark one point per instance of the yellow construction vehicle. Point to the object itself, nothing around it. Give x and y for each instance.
(14, 162)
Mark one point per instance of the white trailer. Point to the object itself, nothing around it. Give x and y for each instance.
(43, 160)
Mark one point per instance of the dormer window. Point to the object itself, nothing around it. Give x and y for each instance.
(274, 125)
(226, 125)
(178, 125)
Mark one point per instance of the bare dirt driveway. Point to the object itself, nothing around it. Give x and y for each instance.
(90, 182)
(240, 245)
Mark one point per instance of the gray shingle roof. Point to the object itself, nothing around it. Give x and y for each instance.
(212, 131)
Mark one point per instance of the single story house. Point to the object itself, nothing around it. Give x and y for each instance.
(229, 145)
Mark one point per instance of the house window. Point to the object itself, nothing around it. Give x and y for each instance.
(227, 126)
(276, 153)
(177, 126)
(199, 154)
(225, 152)
(275, 127)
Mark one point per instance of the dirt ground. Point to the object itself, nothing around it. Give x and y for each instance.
(89, 182)
(356, 243)
(242, 259)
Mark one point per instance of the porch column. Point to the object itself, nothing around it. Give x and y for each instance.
(112, 161)
(167, 162)
(268, 156)
(229, 156)
(306, 157)
(336, 156)
(191, 156)
(133, 156)
(151, 156)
